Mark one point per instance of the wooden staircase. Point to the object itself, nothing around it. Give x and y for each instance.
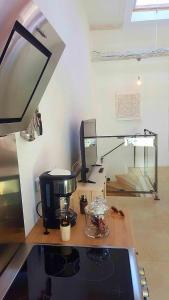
(126, 184)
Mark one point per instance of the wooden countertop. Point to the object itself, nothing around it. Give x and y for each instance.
(120, 234)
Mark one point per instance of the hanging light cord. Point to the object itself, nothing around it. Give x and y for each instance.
(156, 32)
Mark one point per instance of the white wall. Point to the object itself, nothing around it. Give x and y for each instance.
(67, 100)
(121, 77)
(138, 35)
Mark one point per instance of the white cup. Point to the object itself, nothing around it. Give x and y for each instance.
(65, 233)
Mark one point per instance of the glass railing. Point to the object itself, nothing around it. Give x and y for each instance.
(151, 161)
(130, 163)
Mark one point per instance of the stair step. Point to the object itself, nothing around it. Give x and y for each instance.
(133, 181)
(124, 183)
(112, 187)
(125, 194)
(116, 186)
(138, 174)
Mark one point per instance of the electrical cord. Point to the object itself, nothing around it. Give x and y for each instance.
(37, 209)
(76, 167)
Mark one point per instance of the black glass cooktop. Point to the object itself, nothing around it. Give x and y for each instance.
(74, 273)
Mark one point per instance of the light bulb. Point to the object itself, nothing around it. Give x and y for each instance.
(139, 82)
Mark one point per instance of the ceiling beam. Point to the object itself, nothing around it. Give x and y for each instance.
(151, 7)
(135, 54)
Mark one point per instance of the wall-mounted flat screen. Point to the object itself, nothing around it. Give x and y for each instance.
(88, 145)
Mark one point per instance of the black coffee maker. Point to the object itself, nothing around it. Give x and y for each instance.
(56, 188)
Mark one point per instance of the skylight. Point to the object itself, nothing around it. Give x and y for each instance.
(150, 15)
(151, 2)
(150, 10)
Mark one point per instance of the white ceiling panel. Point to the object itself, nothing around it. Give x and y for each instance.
(105, 14)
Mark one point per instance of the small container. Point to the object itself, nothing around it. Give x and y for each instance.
(96, 218)
(83, 204)
(65, 229)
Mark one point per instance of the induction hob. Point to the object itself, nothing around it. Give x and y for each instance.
(76, 273)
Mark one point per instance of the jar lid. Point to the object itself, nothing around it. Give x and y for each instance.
(97, 207)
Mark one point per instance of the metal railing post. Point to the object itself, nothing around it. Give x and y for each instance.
(134, 156)
(156, 164)
(145, 132)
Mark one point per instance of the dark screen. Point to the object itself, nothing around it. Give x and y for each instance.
(22, 64)
(88, 147)
(74, 273)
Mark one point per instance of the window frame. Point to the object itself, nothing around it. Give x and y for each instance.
(150, 7)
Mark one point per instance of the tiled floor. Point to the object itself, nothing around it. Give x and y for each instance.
(150, 221)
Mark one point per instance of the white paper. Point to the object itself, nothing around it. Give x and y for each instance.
(139, 141)
(55, 172)
(128, 106)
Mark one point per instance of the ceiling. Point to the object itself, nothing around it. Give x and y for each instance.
(105, 14)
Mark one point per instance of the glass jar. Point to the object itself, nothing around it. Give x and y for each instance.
(96, 218)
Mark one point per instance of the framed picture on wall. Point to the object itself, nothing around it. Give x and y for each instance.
(128, 106)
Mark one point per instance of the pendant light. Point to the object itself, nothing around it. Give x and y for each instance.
(139, 82)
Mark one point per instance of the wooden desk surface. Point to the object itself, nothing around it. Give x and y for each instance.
(120, 234)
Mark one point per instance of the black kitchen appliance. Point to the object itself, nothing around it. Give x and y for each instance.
(56, 188)
(77, 273)
(88, 147)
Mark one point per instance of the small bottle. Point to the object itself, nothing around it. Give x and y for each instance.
(83, 204)
(65, 229)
